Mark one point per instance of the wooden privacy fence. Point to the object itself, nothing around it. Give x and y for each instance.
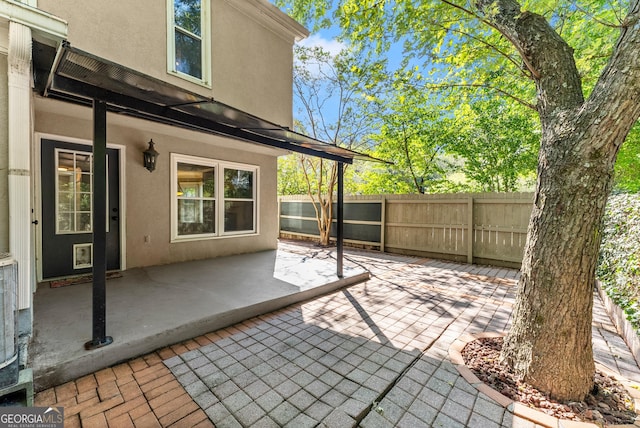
(482, 228)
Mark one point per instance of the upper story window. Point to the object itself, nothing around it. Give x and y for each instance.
(188, 40)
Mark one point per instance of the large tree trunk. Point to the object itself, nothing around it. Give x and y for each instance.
(549, 344)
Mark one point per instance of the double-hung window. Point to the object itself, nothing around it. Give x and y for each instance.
(188, 35)
(239, 199)
(212, 198)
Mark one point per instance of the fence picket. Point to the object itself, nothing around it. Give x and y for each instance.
(483, 228)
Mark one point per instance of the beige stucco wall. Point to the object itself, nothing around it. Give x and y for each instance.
(4, 158)
(147, 195)
(251, 55)
(252, 65)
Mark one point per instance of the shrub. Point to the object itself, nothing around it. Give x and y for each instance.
(619, 263)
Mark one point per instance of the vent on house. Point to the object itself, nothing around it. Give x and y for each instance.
(9, 365)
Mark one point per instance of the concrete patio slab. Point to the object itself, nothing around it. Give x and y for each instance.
(149, 308)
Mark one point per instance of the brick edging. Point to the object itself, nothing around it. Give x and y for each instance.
(518, 409)
(624, 327)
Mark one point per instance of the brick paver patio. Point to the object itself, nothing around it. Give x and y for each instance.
(372, 355)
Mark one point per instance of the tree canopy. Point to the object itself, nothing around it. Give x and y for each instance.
(576, 65)
(454, 57)
(458, 59)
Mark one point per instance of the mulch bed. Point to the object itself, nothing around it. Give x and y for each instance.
(608, 403)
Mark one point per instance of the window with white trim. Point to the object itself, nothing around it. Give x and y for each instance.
(212, 198)
(188, 36)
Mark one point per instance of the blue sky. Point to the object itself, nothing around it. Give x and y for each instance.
(326, 39)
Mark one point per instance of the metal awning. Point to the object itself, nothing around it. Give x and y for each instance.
(73, 75)
(79, 77)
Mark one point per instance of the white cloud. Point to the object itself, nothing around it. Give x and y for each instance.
(332, 46)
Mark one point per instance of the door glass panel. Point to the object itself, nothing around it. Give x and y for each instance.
(65, 181)
(83, 163)
(83, 222)
(74, 196)
(85, 182)
(66, 222)
(65, 202)
(83, 202)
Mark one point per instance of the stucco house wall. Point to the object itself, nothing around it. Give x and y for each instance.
(252, 64)
(251, 67)
(251, 54)
(147, 196)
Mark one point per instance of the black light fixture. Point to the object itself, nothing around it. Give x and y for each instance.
(150, 156)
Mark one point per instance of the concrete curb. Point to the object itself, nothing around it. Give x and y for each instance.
(518, 409)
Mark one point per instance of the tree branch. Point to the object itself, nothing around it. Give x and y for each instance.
(545, 53)
(481, 85)
(599, 21)
(489, 45)
(509, 35)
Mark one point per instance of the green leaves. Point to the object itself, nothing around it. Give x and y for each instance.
(498, 145)
(627, 171)
(619, 262)
(413, 136)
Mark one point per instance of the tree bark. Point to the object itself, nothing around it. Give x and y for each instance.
(549, 343)
(323, 206)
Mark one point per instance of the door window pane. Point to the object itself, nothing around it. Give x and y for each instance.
(83, 222)
(66, 222)
(74, 197)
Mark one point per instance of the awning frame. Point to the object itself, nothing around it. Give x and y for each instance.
(119, 96)
(70, 81)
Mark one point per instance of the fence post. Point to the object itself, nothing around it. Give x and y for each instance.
(470, 229)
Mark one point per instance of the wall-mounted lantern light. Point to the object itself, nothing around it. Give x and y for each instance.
(150, 156)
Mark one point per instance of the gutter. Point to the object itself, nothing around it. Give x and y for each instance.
(42, 23)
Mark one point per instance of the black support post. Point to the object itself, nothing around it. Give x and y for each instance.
(340, 220)
(100, 337)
